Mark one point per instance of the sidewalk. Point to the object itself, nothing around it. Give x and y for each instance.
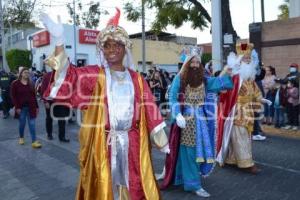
(271, 130)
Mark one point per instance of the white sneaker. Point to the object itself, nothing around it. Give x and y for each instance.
(258, 137)
(295, 128)
(287, 127)
(202, 193)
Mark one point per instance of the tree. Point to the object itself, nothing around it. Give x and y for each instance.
(171, 13)
(89, 18)
(284, 10)
(18, 13)
(18, 57)
(175, 13)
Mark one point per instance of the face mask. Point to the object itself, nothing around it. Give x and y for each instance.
(293, 69)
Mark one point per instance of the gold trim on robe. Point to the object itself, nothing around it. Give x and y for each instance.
(150, 186)
(95, 175)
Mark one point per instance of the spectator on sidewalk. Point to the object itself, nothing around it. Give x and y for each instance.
(294, 74)
(257, 133)
(156, 87)
(268, 85)
(279, 103)
(59, 111)
(26, 106)
(6, 80)
(292, 105)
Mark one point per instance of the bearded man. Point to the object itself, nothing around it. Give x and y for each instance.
(119, 118)
(191, 140)
(236, 111)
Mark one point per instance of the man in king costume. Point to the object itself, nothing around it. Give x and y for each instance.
(236, 111)
(192, 137)
(120, 120)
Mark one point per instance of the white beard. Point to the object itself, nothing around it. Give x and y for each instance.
(247, 71)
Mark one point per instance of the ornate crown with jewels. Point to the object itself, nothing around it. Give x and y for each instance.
(114, 31)
(190, 51)
(244, 48)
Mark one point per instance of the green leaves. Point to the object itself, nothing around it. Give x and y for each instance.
(284, 9)
(18, 57)
(89, 18)
(170, 12)
(18, 13)
(133, 14)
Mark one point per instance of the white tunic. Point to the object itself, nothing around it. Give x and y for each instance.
(120, 97)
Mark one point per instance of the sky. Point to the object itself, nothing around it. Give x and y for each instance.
(241, 14)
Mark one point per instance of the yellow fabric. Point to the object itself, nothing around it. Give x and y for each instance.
(123, 193)
(248, 102)
(240, 148)
(95, 177)
(57, 62)
(160, 138)
(148, 180)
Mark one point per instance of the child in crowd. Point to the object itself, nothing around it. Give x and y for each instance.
(279, 103)
(292, 105)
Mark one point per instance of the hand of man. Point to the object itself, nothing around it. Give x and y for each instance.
(55, 29)
(180, 121)
(263, 100)
(165, 149)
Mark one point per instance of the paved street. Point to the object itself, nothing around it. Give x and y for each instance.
(52, 171)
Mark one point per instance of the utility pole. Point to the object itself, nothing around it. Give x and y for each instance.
(262, 3)
(253, 11)
(216, 35)
(4, 63)
(74, 30)
(143, 36)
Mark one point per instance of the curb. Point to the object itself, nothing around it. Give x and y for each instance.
(270, 130)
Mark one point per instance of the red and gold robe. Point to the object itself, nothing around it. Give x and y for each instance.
(235, 122)
(85, 88)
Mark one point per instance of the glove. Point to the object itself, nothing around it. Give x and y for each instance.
(180, 121)
(165, 149)
(56, 29)
(263, 100)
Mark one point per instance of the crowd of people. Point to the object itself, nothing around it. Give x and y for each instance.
(284, 95)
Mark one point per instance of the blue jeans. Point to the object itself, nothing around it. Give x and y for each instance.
(269, 110)
(22, 122)
(279, 117)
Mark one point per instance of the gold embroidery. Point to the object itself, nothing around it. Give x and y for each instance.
(193, 97)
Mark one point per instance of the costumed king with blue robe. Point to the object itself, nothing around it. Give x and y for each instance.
(191, 140)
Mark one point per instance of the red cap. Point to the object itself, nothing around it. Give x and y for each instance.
(294, 65)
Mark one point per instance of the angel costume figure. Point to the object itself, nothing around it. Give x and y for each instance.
(236, 111)
(120, 117)
(191, 138)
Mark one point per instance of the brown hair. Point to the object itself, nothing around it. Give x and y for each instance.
(191, 77)
(29, 80)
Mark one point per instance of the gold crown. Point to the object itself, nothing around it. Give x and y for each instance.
(244, 48)
(114, 31)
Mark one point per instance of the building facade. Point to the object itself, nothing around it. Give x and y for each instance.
(162, 50)
(278, 43)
